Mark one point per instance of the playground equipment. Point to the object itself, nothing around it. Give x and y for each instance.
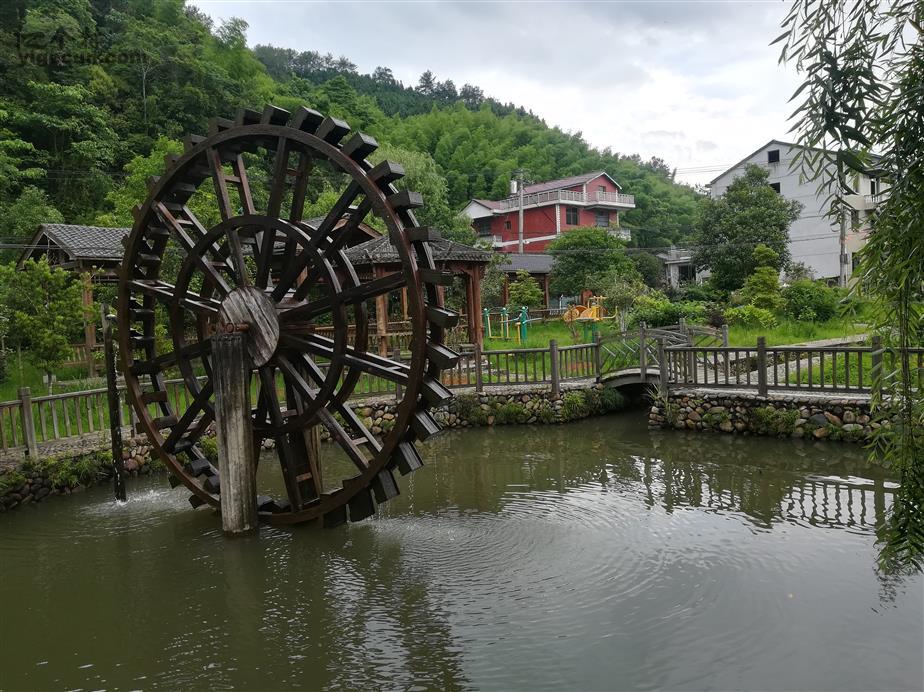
(588, 316)
(521, 320)
(267, 276)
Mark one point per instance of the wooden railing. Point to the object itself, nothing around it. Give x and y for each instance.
(836, 369)
(566, 196)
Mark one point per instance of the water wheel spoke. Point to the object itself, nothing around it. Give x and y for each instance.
(236, 257)
(303, 261)
(362, 360)
(287, 460)
(188, 243)
(300, 187)
(220, 183)
(243, 185)
(199, 405)
(354, 295)
(168, 294)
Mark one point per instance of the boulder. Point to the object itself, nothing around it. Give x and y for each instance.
(820, 433)
(833, 420)
(849, 416)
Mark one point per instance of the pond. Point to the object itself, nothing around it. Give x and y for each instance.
(594, 555)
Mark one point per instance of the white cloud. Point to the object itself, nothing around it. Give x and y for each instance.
(694, 83)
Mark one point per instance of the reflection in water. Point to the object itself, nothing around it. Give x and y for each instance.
(595, 555)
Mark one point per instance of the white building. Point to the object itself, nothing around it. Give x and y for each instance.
(814, 238)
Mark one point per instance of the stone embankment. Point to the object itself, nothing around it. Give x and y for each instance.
(745, 413)
(70, 470)
(73, 465)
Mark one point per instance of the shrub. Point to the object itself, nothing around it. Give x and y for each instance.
(468, 408)
(751, 316)
(507, 414)
(762, 289)
(771, 421)
(611, 399)
(809, 301)
(657, 311)
(209, 447)
(574, 405)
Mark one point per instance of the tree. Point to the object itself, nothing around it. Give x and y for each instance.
(582, 252)
(383, 75)
(22, 217)
(492, 285)
(471, 96)
(864, 66)
(526, 291)
(621, 291)
(762, 287)
(728, 229)
(426, 84)
(650, 268)
(45, 308)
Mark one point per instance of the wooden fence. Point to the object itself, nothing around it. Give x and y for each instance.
(836, 369)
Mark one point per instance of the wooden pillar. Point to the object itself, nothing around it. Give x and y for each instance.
(236, 454)
(555, 375)
(381, 315)
(89, 329)
(115, 409)
(470, 313)
(404, 315)
(28, 422)
(477, 277)
(762, 366)
(545, 286)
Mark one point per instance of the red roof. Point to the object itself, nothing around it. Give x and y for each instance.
(564, 183)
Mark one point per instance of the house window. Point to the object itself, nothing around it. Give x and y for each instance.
(601, 188)
(603, 219)
(773, 156)
(854, 218)
(775, 187)
(507, 225)
(483, 226)
(874, 186)
(571, 216)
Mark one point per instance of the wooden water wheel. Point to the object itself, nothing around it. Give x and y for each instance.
(221, 242)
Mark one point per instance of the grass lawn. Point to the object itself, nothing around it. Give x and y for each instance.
(30, 376)
(792, 332)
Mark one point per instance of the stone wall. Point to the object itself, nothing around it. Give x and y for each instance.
(75, 464)
(70, 471)
(776, 415)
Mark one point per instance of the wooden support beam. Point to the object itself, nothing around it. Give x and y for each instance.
(115, 410)
(237, 456)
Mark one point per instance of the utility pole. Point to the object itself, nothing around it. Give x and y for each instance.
(519, 172)
(842, 259)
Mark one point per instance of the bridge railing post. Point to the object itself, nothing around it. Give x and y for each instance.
(876, 384)
(556, 377)
(762, 366)
(598, 355)
(725, 336)
(479, 380)
(642, 351)
(663, 368)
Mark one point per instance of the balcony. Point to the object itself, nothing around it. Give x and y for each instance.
(612, 200)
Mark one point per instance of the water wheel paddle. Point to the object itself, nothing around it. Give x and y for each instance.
(247, 259)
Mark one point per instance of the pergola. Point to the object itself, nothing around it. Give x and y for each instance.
(377, 258)
(538, 266)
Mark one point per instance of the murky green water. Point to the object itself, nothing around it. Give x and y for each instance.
(595, 555)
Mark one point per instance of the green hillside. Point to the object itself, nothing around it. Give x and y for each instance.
(90, 88)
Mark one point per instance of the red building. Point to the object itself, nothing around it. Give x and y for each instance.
(549, 209)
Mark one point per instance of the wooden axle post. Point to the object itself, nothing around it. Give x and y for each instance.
(598, 356)
(115, 410)
(479, 380)
(231, 375)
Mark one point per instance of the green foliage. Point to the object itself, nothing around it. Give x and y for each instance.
(209, 448)
(730, 228)
(621, 291)
(649, 267)
(68, 471)
(762, 289)
(656, 310)
(574, 406)
(510, 413)
(809, 301)
(585, 252)
(767, 420)
(750, 316)
(526, 291)
(21, 218)
(468, 408)
(611, 399)
(492, 285)
(45, 309)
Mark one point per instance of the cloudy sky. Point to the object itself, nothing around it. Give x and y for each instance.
(694, 82)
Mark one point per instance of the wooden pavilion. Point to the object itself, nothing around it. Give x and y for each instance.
(378, 257)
